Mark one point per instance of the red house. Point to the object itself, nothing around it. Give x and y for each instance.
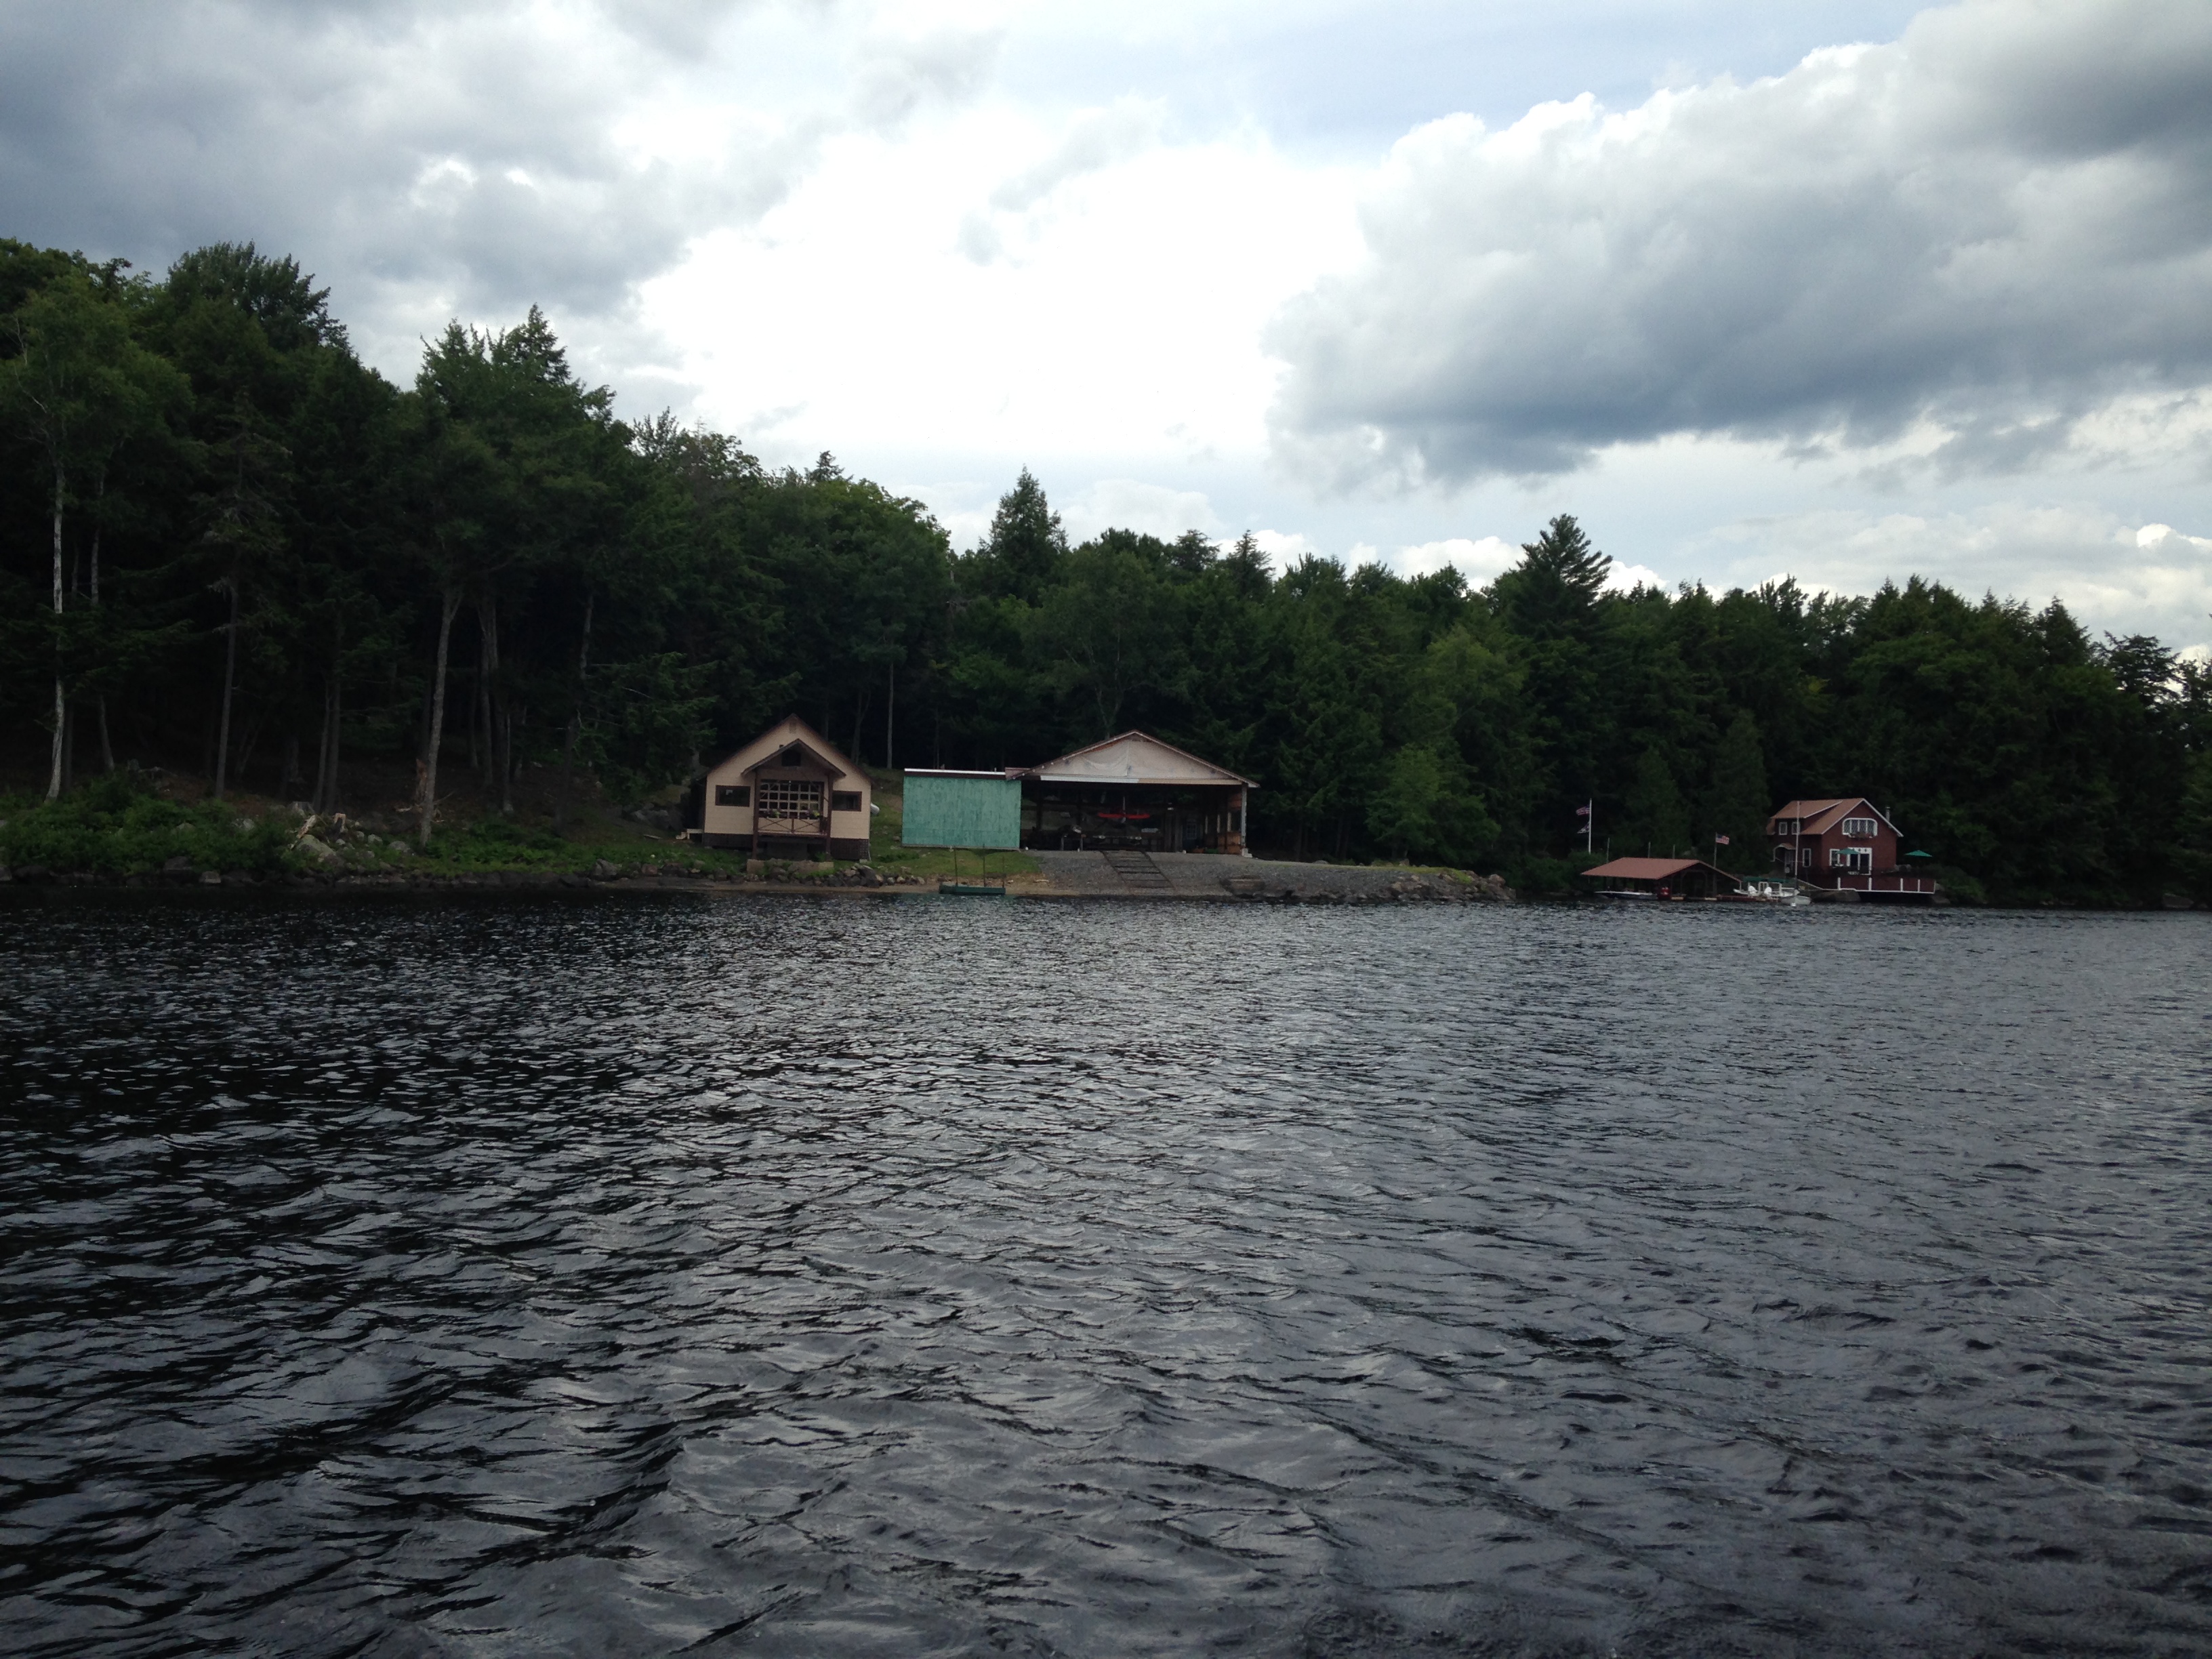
(1847, 844)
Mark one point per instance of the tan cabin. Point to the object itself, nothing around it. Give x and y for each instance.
(788, 793)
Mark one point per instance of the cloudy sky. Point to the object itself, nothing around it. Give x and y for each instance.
(1753, 287)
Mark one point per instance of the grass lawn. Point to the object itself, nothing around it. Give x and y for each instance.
(927, 862)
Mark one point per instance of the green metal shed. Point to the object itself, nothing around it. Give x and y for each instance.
(978, 810)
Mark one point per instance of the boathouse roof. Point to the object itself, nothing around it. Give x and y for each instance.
(1134, 757)
(1651, 869)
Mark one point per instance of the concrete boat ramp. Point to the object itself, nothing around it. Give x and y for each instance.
(1138, 875)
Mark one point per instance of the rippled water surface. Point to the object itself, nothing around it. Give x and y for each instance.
(738, 1275)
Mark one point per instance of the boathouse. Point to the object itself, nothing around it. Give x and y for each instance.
(1846, 843)
(788, 793)
(1661, 878)
(1133, 791)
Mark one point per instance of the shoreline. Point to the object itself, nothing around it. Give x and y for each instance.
(1201, 882)
(1063, 877)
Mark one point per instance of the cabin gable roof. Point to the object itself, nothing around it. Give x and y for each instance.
(787, 733)
(1134, 757)
(1819, 816)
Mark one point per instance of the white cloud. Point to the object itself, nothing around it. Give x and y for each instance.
(2152, 534)
(431, 161)
(1479, 561)
(1125, 330)
(1128, 504)
(1283, 548)
(1628, 578)
(2112, 575)
(1997, 228)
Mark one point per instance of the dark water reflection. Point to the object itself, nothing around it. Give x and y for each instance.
(855, 1279)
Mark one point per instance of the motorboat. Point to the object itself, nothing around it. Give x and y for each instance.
(1771, 889)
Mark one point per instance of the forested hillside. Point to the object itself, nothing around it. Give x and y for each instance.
(230, 549)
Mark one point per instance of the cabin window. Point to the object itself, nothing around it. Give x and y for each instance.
(788, 798)
(733, 794)
(1859, 827)
(1860, 859)
(844, 800)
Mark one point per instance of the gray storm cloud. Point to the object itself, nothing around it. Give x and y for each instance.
(1989, 230)
(472, 157)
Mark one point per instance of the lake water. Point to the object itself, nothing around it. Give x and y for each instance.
(730, 1275)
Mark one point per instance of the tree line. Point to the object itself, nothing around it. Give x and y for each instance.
(230, 545)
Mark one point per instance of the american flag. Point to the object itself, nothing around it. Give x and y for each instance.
(1720, 841)
(1582, 812)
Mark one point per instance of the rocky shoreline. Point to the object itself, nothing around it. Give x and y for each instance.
(180, 876)
(1250, 882)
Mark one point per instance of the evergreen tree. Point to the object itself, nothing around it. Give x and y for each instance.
(1023, 556)
(1554, 590)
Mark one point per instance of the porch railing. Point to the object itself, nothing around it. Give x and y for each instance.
(1881, 883)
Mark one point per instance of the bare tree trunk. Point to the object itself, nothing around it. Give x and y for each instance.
(324, 799)
(890, 708)
(106, 748)
(250, 741)
(476, 715)
(229, 678)
(427, 802)
(499, 733)
(575, 718)
(61, 691)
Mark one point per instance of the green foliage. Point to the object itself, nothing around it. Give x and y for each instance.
(1655, 823)
(1423, 812)
(1023, 556)
(117, 826)
(499, 844)
(1107, 629)
(2193, 854)
(249, 515)
(1739, 803)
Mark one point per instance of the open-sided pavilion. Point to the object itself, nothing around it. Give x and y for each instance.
(1133, 791)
